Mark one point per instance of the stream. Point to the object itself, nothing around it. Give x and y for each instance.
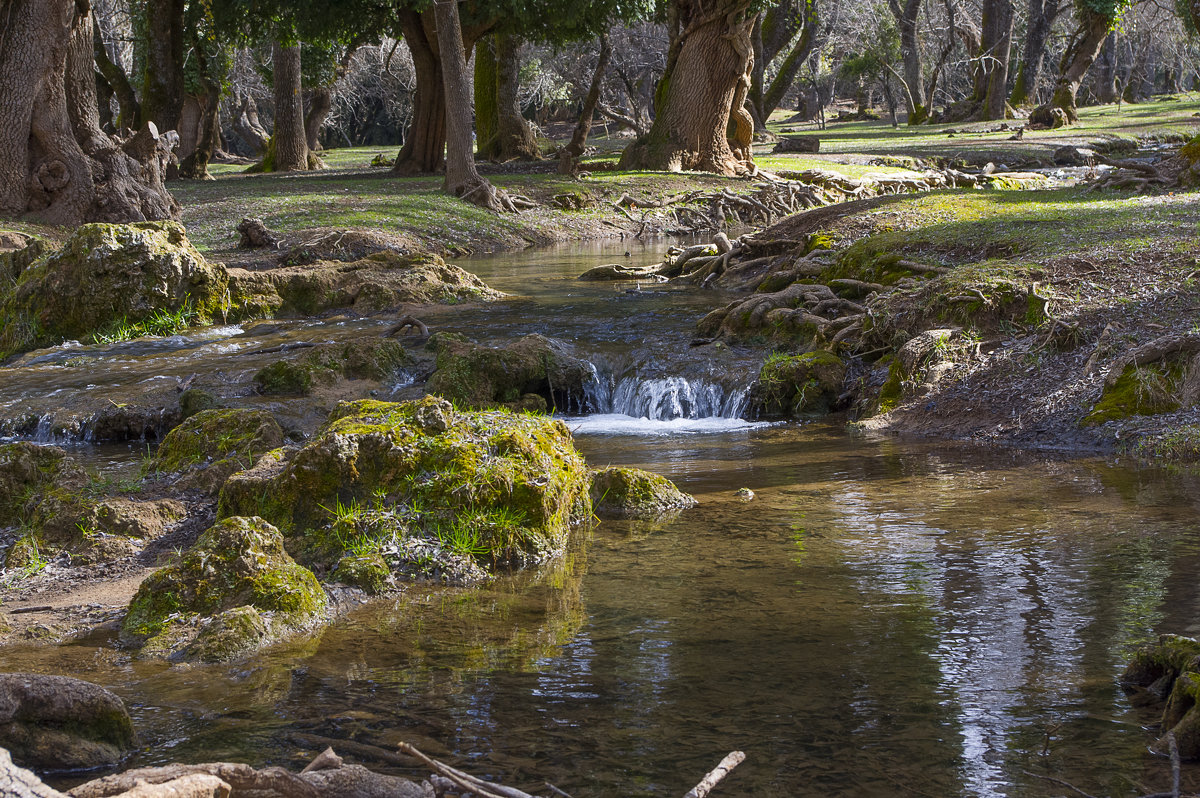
(883, 618)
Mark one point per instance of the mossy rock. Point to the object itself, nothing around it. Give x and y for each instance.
(1181, 717)
(62, 723)
(27, 472)
(368, 571)
(284, 378)
(323, 365)
(238, 562)
(476, 376)
(1163, 660)
(420, 466)
(799, 385)
(16, 260)
(636, 494)
(1139, 391)
(106, 275)
(372, 284)
(916, 368)
(213, 444)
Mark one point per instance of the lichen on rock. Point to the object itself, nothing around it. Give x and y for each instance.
(237, 563)
(108, 274)
(636, 494)
(212, 444)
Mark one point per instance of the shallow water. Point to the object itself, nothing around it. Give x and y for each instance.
(883, 618)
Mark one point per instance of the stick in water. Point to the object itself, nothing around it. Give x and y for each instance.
(716, 774)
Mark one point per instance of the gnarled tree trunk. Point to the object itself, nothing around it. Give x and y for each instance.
(1037, 32)
(207, 124)
(318, 108)
(129, 115)
(56, 164)
(907, 19)
(248, 128)
(517, 139)
(424, 146)
(290, 142)
(162, 79)
(702, 91)
(1084, 47)
(996, 30)
(775, 29)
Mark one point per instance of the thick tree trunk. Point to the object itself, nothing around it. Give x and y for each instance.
(424, 146)
(1106, 80)
(129, 115)
(570, 155)
(318, 108)
(991, 87)
(487, 109)
(290, 143)
(1037, 32)
(462, 179)
(517, 139)
(1079, 56)
(162, 80)
(56, 164)
(907, 19)
(1190, 9)
(702, 91)
(207, 125)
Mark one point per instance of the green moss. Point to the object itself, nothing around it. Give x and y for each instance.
(1191, 150)
(474, 376)
(634, 493)
(236, 562)
(285, 378)
(228, 635)
(796, 385)
(367, 571)
(892, 391)
(1144, 391)
(214, 435)
(1169, 656)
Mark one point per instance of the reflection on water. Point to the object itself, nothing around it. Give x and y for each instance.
(883, 619)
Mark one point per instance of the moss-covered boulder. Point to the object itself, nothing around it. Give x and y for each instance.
(1169, 671)
(409, 480)
(1140, 391)
(60, 723)
(235, 590)
(374, 283)
(27, 471)
(532, 373)
(206, 448)
(637, 494)
(17, 253)
(323, 365)
(798, 385)
(107, 275)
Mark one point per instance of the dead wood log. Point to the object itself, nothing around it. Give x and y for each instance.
(487, 789)
(714, 776)
(255, 234)
(407, 322)
(238, 776)
(1152, 352)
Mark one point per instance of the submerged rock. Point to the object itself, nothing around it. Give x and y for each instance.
(212, 444)
(357, 360)
(798, 385)
(107, 275)
(377, 282)
(60, 723)
(233, 591)
(419, 487)
(531, 373)
(634, 493)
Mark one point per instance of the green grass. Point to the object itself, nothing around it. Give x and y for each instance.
(161, 322)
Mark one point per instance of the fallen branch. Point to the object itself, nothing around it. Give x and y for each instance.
(487, 789)
(714, 776)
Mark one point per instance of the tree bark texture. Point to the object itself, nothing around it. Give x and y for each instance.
(907, 19)
(56, 164)
(162, 80)
(1085, 46)
(462, 179)
(995, 49)
(701, 94)
(1042, 14)
(248, 127)
(517, 139)
(1106, 80)
(574, 150)
(424, 146)
(487, 112)
(206, 128)
(291, 144)
(775, 29)
(317, 110)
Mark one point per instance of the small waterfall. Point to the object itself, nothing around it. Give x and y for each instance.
(664, 398)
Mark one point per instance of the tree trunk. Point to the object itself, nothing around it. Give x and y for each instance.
(162, 80)
(289, 141)
(248, 128)
(570, 155)
(778, 27)
(462, 179)
(207, 127)
(318, 108)
(1106, 81)
(701, 92)
(1042, 14)
(1190, 9)
(907, 19)
(189, 126)
(517, 139)
(129, 115)
(56, 165)
(991, 88)
(1084, 48)
(424, 146)
(487, 107)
